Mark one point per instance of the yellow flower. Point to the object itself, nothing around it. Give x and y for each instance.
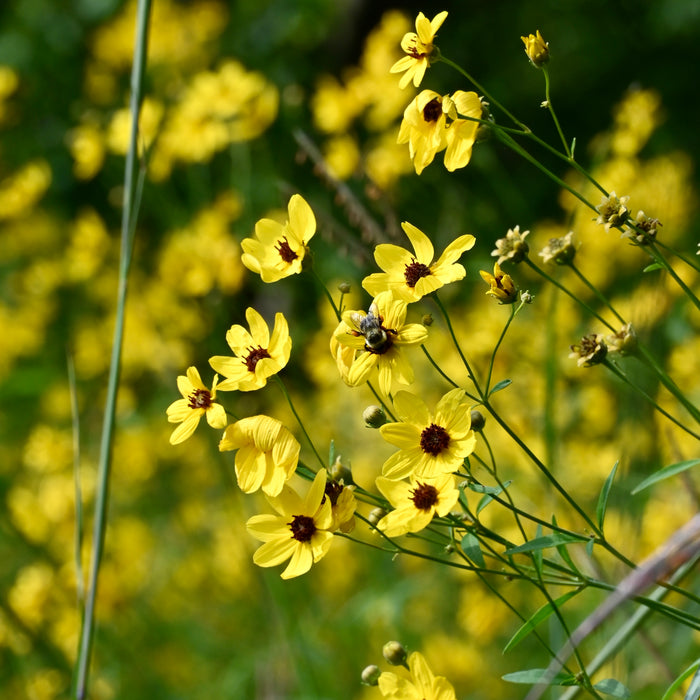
(416, 503)
(410, 277)
(591, 350)
(429, 444)
(257, 355)
(427, 131)
(612, 211)
(278, 250)
(267, 453)
(198, 401)
(301, 531)
(501, 286)
(422, 686)
(419, 46)
(343, 505)
(378, 337)
(536, 48)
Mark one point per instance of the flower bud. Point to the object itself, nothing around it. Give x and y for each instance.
(395, 653)
(478, 421)
(374, 416)
(590, 351)
(536, 48)
(375, 515)
(624, 342)
(526, 297)
(344, 287)
(559, 250)
(427, 320)
(370, 675)
(339, 472)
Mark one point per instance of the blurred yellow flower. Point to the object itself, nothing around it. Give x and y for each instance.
(419, 46)
(278, 250)
(301, 531)
(257, 356)
(422, 686)
(267, 453)
(416, 502)
(430, 444)
(198, 401)
(410, 277)
(20, 191)
(378, 336)
(87, 148)
(501, 286)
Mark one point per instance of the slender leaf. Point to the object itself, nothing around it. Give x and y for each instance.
(694, 689)
(501, 385)
(470, 546)
(490, 492)
(603, 498)
(535, 675)
(653, 266)
(673, 688)
(610, 686)
(665, 473)
(564, 552)
(331, 454)
(589, 547)
(480, 488)
(544, 542)
(540, 616)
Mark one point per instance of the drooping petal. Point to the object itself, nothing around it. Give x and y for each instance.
(275, 551)
(301, 561)
(186, 428)
(361, 368)
(250, 468)
(216, 416)
(178, 411)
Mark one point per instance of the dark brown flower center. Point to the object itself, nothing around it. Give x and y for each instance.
(424, 496)
(285, 251)
(414, 272)
(302, 528)
(333, 490)
(434, 439)
(254, 356)
(432, 111)
(199, 398)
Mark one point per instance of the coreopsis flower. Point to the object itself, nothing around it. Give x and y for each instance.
(644, 231)
(612, 211)
(536, 48)
(431, 124)
(590, 351)
(378, 338)
(560, 251)
(418, 46)
(623, 342)
(197, 401)
(278, 250)
(267, 453)
(411, 276)
(513, 247)
(257, 355)
(430, 444)
(301, 530)
(501, 286)
(423, 685)
(343, 505)
(416, 502)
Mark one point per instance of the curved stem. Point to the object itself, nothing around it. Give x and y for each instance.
(322, 284)
(513, 311)
(601, 297)
(550, 108)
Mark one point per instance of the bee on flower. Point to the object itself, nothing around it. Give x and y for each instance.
(419, 47)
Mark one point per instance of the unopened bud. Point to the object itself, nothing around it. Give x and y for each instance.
(344, 287)
(478, 421)
(375, 515)
(340, 472)
(374, 416)
(394, 653)
(427, 320)
(370, 675)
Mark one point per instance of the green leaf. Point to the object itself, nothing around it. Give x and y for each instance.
(544, 542)
(603, 498)
(589, 547)
(573, 146)
(535, 675)
(610, 686)
(564, 552)
(501, 385)
(665, 473)
(470, 546)
(672, 689)
(490, 492)
(653, 266)
(537, 554)
(331, 454)
(540, 616)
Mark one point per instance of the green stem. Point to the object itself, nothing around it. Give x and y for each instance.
(601, 297)
(322, 284)
(129, 214)
(621, 375)
(561, 287)
(283, 388)
(550, 108)
(437, 367)
(661, 260)
(513, 311)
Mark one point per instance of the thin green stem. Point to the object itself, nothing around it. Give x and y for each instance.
(661, 260)
(437, 367)
(691, 262)
(513, 311)
(570, 294)
(283, 388)
(601, 297)
(322, 284)
(621, 375)
(550, 108)
(129, 214)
